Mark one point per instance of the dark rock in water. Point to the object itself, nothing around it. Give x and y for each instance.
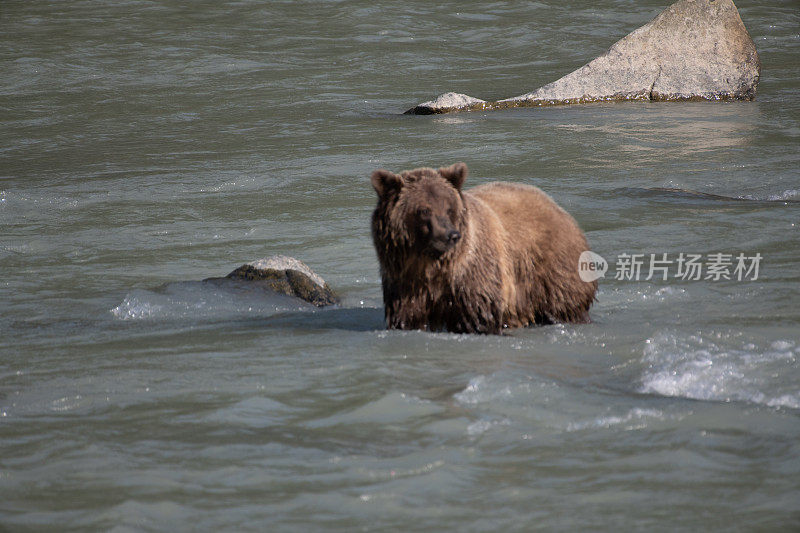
(287, 275)
(693, 50)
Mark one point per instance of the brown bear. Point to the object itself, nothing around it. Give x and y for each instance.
(497, 256)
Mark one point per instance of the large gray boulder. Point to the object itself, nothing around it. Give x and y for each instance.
(286, 275)
(693, 50)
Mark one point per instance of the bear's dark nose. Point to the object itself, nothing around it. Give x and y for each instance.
(453, 236)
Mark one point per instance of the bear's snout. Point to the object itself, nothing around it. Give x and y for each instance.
(453, 236)
(443, 236)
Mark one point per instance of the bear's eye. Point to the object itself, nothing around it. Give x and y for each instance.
(423, 212)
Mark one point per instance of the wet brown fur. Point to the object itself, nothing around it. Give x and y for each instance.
(498, 256)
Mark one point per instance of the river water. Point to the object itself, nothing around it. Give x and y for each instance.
(146, 146)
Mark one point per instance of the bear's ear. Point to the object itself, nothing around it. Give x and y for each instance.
(386, 182)
(455, 174)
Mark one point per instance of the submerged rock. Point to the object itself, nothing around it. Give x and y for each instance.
(447, 102)
(286, 275)
(693, 50)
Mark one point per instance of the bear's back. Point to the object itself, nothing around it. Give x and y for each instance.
(544, 244)
(528, 214)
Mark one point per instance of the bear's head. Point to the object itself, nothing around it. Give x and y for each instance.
(421, 210)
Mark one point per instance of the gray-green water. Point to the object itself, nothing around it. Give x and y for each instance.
(145, 146)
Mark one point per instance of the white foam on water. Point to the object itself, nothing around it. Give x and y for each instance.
(135, 308)
(481, 390)
(636, 418)
(789, 194)
(720, 367)
(199, 300)
(67, 403)
(480, 427)
(532, 405)
(514, 399)
(787, 400)
(636, 293)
